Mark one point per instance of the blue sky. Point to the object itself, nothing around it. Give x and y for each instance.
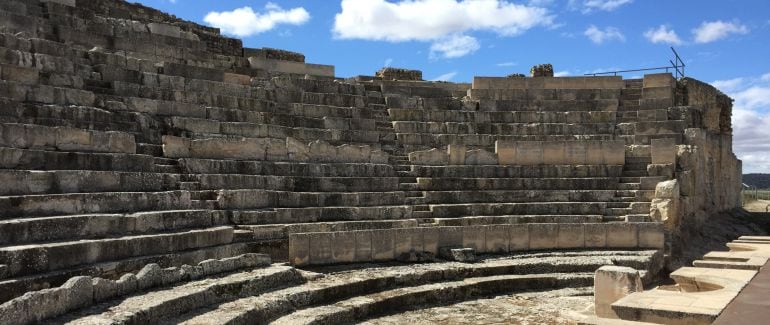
(722, 42)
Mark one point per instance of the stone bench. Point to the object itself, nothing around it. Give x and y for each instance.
(318, 86)
(14, 287)
(261, 128)
(470, 195)
(461, 116)
(31, 259)
(542, 94)
(296, 183)
(503, 128)
(13, 158)
(473, 184)
(516, 219)
(255, 199)
(90, 226)
(270, 149)
(529, 171)
(486, 140)
(388, 244)
(600, 105)
(84, 203)
(282, 231)
(320, 111)
(46, 94)
(30, 136)
(526, 208)
(321, 214)
(241, 167)
(24, 182)
(594, 82)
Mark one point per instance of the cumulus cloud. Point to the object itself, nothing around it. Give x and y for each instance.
(445, 77)
(728, 85)
(713, 31)
(445, 23)
(454, 46)
(561, 74)
(662, 35)
(751, 120)
(588, 6)
(600, 36)
(244, 22)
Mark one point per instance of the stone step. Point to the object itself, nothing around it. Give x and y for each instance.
(27, 182)
(408, 187)
(617, 211)
(629, 186)
(360, 308)
(487, 140)
(462, 116)
(469, 184)
(503, 128)
(245, 167)
(84, 203)
(539, 171)
(91, 226)
(516, 219)
(512, 196)
(51, 256)
(282, 231)
(245, 199)
(297, 183)
(177, 300)
(34, 159)
(531, 208)
(319, 214)
(635, 173)
(422, 214)
(335, 287)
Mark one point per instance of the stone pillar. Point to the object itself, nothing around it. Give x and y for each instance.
(665, 205)
(611, 283)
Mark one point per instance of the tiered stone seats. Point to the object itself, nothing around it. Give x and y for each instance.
(84, 111)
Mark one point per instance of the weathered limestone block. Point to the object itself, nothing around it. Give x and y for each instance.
(665, 206)
(322, 151)
(480, 157)
(378, 156)
(36, 306)
(297, 150)
(662, 170)
(435, 157)
(176, 147)
(663, 151)
(611, 283)
(245, 148)
(456, 154)
(275, 149)
(164, 29)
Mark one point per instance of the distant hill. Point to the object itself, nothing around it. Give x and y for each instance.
(761, 181)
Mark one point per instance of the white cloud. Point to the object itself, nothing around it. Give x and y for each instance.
(600, 36)
(244, 22)
(445, 23)
(561, 74)
(728, 85)
(454, 46)
(588, 6)
(663, 35)
(766, 77)
(712, 31)
(751, 120)
(445, 77)
(513, 64)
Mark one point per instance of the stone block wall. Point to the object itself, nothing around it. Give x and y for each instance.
(399, 74)
(390, 244)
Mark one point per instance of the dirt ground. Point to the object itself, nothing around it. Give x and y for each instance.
(564, 306)
(760, 206)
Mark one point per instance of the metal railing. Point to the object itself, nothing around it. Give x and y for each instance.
(677, 64)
